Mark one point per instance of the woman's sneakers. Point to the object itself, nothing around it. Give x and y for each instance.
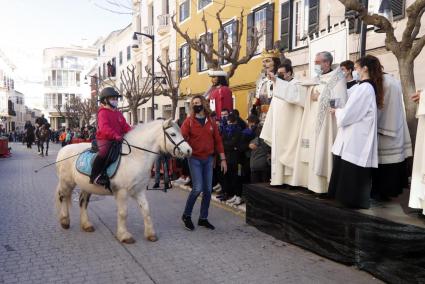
(187, 221)
(206, 224)
(235, 200)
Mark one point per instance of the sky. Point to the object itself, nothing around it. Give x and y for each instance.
(29, 26)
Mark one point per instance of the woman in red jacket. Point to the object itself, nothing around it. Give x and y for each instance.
(201, 132)
(111, 127)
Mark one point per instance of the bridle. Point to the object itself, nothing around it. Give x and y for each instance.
(167, 135)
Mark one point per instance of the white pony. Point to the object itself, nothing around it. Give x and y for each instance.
(131, 178)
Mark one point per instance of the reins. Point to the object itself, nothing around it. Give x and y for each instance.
(166, 135)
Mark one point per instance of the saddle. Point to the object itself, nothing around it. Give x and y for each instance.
(85, 160)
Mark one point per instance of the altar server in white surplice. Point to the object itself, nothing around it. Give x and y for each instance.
(313, 157)
(394, 144)
(282, 125)
(417, 188)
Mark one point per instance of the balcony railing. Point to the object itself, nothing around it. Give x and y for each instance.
(164, 23)
(149, 30)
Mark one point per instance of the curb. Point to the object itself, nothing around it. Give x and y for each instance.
(237, 210)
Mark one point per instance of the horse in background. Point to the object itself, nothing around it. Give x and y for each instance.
(44, 133)
(29, 136)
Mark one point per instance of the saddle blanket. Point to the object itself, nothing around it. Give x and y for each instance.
(85, 162)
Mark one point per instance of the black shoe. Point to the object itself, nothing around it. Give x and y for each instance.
(188, 223)
(101, 180)
(167, 185)
(206, 224)
(156, 185)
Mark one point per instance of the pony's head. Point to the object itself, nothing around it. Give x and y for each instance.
(174, 142)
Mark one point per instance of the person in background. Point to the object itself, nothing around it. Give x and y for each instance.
(242, 124)
(351, 76)
(355, 148)
(223, 119)
(259, 159)
(231, 136)
(248, 134)
(162, 161)
(203, 136)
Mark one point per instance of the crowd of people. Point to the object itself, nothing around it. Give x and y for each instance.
(342, 135)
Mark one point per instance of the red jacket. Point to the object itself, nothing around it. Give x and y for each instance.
(111, 124)
(204, 140)
(222, 97)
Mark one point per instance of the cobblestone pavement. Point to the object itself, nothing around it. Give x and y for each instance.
(35, 249)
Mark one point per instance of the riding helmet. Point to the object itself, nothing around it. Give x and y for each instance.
(108, 92)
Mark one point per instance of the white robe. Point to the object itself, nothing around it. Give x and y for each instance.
(356, 141)
(394, 144)
(313, 157)
(417, 188)
(282, 127)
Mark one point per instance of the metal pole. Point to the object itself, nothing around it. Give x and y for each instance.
(363, 33)
(153, 78)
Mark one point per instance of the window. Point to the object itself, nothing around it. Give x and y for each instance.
(98, 52)
(184, 60)
(398, 8)
(298, 19)
(261, 20)
(103, 48)
(120, 57)
(202, 63)
(128, 53)
(184, 9)
(203, 3)
(104, 71)
(229, 34)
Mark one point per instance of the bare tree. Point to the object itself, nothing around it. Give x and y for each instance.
(87, 108)
(137, 91)
(405, 50)
(71, 111)
(121, 7)
(227, 53)
(172, 83)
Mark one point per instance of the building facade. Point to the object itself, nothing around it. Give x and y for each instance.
(154, 18)
(7, 92)
(64, 70)
(286, 23)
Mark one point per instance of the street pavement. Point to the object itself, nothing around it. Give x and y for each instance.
(35, 249)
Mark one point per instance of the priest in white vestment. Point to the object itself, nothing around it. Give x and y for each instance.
(313, 157)
(282, 125)
(417, 188)
(394, 144)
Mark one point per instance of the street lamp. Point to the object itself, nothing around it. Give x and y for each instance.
(136, 46)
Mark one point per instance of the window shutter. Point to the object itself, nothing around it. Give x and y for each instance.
(250, 31)
(235, 30)
(269, 26)
(285, 23)
(397, 7)
(313, 16)
(188, 59)
(221, 44)
(180, 63)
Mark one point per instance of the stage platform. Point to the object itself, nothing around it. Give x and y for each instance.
(387, 240)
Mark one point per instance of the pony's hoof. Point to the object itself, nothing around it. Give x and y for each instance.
(152, 238)
(65, 226)
(128, 241)
(88, 229)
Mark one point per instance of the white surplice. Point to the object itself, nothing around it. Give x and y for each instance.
(282, 127)
(356, 141)
(394, 144)
(313, 157)
(417, 188)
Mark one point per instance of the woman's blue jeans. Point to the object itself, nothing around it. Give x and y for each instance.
(201, 173)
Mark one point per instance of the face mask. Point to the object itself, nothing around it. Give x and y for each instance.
(198, 109)
(113, 103)
(356, 75)
(318, 69)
